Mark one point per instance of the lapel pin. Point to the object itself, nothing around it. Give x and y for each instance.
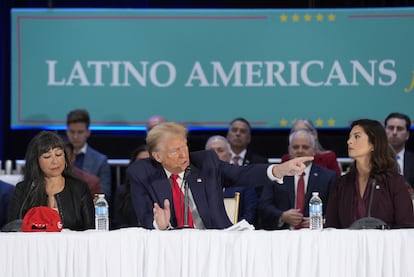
(377, 187)
(199, 180)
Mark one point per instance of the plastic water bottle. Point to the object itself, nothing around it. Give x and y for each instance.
(101, 213)
(315, 212)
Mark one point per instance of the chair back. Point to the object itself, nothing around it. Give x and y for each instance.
(232, 207)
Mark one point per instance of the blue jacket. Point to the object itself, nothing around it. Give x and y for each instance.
(96, 163)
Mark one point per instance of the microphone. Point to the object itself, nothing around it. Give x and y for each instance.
(370, 222)
(187, 172)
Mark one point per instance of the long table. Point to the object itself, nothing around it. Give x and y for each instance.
(138, 252)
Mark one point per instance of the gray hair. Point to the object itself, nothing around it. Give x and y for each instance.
(303, 132)
(219, 138)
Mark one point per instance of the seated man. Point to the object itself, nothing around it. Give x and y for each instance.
(157, 183)
(88, 158)
(248, 197)
(93, 182)
(287, 205)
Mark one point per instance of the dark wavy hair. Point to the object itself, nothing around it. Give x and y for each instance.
(383, 160)
(33, 174)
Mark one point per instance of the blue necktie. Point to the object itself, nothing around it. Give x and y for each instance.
(79, 160)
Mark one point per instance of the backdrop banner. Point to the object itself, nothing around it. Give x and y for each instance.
(205, 67)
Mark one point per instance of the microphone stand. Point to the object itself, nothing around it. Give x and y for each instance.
(186, 200)
(186, 196)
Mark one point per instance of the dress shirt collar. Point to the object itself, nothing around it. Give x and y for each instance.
(83, 149)
(241, 155)
(400, 160)
(181, 175)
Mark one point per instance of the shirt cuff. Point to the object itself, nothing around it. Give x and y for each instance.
(280, 223)
(271, 176)
(169, 227)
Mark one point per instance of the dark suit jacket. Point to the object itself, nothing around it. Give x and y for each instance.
(247, 204)
(391, 202)
(150, 184)
(279, 198)
(409, 167)
(96, 163)
(252, 158)
(6, 192)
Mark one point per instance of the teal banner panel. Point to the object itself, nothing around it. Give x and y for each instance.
(205, 67)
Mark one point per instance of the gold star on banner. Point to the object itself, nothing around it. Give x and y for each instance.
(331, 17)
(308, 17)
(319, 17)
(331, 122)
(283, 18)
(283, 122)
(319, 122)
(295, 18)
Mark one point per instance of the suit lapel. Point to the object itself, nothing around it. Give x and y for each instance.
(290, 186)
(196, 184)
(312, 183)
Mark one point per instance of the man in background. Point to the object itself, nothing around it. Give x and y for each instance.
(87, 158)
(248, 197)
(397, 127)
(239, 137)
(154, 121)
(287, 205)
(93, 181)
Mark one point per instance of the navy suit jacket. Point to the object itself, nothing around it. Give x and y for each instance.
(96, 163)
(247, 204)
(409, 167)
(149, 184)
(6, 192)
(279, 198)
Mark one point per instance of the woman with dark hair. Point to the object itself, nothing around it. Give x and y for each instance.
(375, 172)
(48, 182)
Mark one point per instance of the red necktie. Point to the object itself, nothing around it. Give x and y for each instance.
(236, 160)
(178, 199)
(300, 193)
(300, 196)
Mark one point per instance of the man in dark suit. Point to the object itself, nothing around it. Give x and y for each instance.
(239, 137)
(397, 127)
(281, 206)
(87, 158)
(157, 203)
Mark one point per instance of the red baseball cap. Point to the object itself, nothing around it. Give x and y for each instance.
(42, 219)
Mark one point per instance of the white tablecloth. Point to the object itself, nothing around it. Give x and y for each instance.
(137, 252)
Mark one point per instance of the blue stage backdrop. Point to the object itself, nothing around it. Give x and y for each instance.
(206, 67)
